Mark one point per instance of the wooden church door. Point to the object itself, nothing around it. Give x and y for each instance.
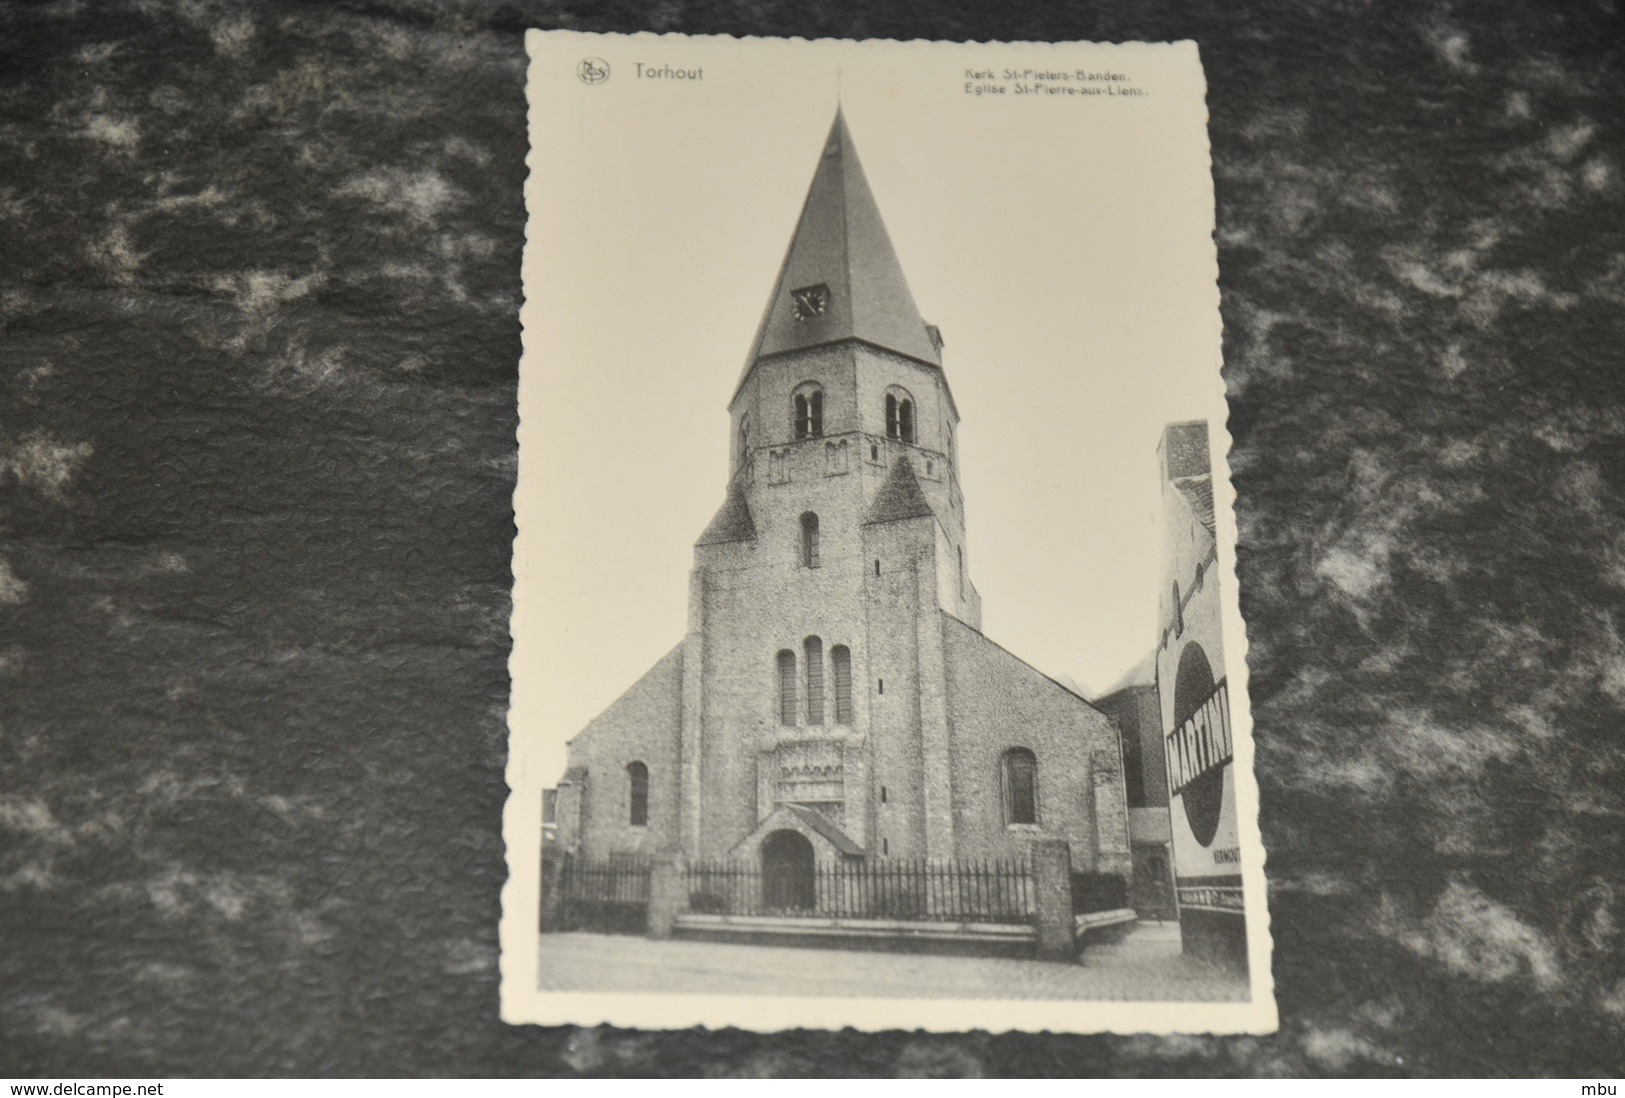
(787, 873)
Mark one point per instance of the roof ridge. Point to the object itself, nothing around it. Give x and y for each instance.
(826, 827)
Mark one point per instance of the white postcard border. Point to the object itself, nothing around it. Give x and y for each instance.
(522, 1002)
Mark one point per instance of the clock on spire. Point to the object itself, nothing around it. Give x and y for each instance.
(841, 278)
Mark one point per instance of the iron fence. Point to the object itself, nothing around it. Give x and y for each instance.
(969, 891)
(602, 894)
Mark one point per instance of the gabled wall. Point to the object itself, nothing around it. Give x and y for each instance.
(643, 724)
(997, 702)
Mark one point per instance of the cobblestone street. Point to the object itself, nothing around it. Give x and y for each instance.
(1145, 965)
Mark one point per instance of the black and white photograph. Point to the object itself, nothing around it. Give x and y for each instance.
(892, 666)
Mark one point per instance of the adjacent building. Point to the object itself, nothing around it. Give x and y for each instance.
(1194, 703)
(1137, 710)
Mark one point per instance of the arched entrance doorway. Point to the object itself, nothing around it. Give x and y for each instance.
(787, 872)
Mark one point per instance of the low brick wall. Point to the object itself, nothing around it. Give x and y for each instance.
(966, 939)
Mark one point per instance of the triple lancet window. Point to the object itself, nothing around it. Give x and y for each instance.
(791, 709)
(1020, 781)
(808, 410)
(900, 416)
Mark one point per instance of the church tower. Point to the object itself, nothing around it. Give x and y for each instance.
(843, 529)
(833, 696)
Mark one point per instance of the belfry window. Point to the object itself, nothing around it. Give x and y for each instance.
(744, 439)
(637, 794)
(1020, 781)
(900, 416)
(815, 680)
(787, 687)
(808, 408)
(809, 540)
(840, 661)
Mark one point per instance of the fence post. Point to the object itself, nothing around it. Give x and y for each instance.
(554, 861)
(1052, 899)
(668, 895)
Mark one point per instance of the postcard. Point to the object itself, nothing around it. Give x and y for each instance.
(877, 658)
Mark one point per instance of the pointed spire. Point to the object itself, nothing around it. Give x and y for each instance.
(841, 279)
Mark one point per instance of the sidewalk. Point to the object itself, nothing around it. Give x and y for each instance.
(1145, 965)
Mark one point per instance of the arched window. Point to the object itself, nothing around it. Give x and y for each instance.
(814, 649)
(744, 439)
(840, 661)
(787, 687)
(1020, 786)
(809, 411)
(900, 416)
(809, 540)
(637, 794)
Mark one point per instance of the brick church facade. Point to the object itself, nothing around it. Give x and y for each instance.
(834, 692)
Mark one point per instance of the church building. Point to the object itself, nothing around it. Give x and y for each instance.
(834, 697)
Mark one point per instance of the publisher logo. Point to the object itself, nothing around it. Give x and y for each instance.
(592, 70)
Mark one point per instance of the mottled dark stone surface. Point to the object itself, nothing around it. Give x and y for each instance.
(258, 298)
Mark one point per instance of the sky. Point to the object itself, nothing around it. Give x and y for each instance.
(1064, 248)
